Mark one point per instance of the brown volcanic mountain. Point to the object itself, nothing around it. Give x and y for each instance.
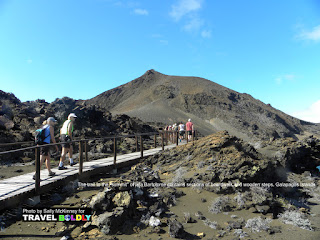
(155, 97)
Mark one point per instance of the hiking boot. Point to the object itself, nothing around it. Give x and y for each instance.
(73, 163)
(62, 168)
(34, 177)
(51, 174)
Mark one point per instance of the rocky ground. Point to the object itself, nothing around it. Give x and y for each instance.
(218, 188)
(19, 120)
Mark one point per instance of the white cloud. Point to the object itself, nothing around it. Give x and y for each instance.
(194, 24)
(206, 34)
(164, 42)
(188, 13)
(125, 4)
(313, 34)
(29, 61)
(311, 114)
(156, 35)
(140, 11)
(184, 7)
(285, 77)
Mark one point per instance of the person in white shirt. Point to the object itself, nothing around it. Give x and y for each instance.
(66, 137)
(181, 131)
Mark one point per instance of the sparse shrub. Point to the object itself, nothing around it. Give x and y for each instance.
(258, 224)
(240, 233)
(295, 218)
(201, 164)
(259, 194)
(240, 200)
(220, 204)
(187, 217)
(179, 175)
(188, 157)
(211, 224)
(209, 168)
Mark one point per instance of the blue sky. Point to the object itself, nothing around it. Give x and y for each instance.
(80, 48)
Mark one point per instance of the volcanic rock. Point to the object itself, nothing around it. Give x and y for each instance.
(175, 229)
(109, 222)
(122, 199)
(97, 201)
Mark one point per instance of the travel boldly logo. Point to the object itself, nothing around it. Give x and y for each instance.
(56, 214)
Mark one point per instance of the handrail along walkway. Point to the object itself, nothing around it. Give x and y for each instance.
(172, 136)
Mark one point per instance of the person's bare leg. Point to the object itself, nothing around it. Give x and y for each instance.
(48, 163)
(42, 159)
(71, 151)
(70, 156)
(63, 155)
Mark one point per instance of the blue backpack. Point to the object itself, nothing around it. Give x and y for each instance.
(40, 136)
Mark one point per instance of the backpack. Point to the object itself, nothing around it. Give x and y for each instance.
(40, 136)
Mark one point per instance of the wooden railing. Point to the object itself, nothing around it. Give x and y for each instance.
(166, 136)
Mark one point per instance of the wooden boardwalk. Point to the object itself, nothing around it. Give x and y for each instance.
(15, 189)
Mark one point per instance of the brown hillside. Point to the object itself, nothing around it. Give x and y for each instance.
(156, 97)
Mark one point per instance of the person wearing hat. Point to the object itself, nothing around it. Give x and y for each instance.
(66, 137)
(49, 137)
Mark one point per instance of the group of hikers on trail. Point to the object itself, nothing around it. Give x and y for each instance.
(65, 137)
(66, 131)
(182, 128)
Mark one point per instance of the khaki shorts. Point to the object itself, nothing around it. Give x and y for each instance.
(65, 138)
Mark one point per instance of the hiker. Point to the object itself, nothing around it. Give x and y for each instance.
(48, 128)
(66, 137)
(190, 128)
(175, 127)
(181, 131)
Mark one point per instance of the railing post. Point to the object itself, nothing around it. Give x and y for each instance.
(167, 136)
(155, 141)
(192, 137)
(114, 150)
(187, 136)
(137, 144)
(162, 140)
(80, 157)
(86, 150)
(177, 138)
(37, 180)
(141, 146)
